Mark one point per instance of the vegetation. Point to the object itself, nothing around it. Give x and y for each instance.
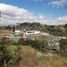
(31, 53)
(30, 58)
(9, 52)
(39, 45)
(63, 46)
(59, 30)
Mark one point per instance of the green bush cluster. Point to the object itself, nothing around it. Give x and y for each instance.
(63, 47)
(9, 52)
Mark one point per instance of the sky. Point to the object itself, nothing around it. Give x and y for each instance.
(51, 12)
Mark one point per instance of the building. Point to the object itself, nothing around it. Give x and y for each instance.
(19, 32)
(27, 34)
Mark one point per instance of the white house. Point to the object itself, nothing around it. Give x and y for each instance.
(31, 33)
(19, 32)
(43, 33)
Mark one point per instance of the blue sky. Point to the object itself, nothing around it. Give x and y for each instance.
(38, 7)
(47, 8)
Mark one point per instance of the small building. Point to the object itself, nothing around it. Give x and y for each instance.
(19, 32)
(44, 33)
(31, 33)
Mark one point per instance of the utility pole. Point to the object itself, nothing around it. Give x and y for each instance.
(0, 15)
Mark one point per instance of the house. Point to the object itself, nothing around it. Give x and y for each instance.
(44, 33)
(18, 32)
(31, 33)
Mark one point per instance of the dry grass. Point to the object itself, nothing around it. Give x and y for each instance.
(5, 31)
(30, 59)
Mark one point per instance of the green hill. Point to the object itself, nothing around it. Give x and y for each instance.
(58, 30)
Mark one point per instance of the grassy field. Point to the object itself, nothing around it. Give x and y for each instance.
(29, 58)
(5, 31)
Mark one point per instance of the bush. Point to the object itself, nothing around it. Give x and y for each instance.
(6, 41)
(9, 52)
(63, 46)
(37, 44)
(21, 41)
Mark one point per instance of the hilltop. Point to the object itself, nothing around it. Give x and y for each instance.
(58, 30)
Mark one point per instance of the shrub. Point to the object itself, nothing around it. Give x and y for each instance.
(63, 46)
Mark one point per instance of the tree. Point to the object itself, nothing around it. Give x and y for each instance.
(9, 52)
(21, 41)
(65, 25)
(6, 41)
(63, 46)
(37, 44)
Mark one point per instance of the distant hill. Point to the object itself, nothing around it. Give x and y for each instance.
(58, 30)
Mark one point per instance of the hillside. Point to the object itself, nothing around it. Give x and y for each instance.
(31, 53)
(30, 58)
(59, 30)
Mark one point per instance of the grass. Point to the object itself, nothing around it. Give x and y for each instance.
(29, 58)
(5, 31)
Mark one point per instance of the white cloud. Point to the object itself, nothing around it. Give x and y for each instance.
(58, 3)
(60, 20)
(12, 15)
(63, 20)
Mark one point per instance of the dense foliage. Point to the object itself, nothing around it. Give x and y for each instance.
(59, 30)
(9, 52)
(63, 46)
